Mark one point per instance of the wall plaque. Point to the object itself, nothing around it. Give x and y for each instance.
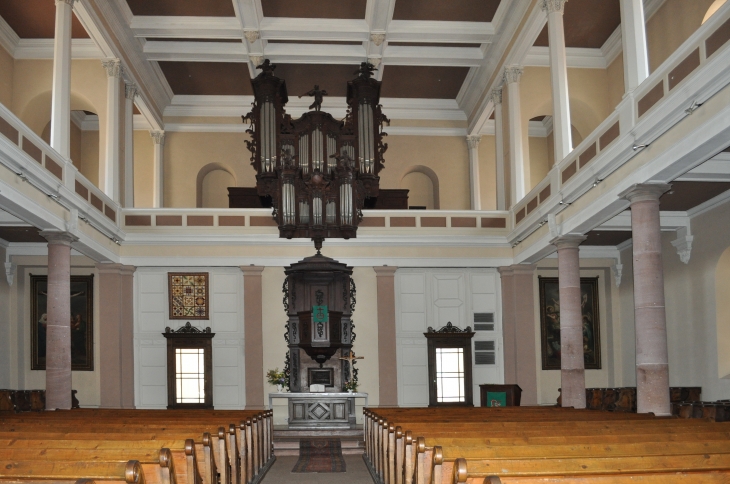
(321, 376)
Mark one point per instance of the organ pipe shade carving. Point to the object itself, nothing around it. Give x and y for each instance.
(318, 170)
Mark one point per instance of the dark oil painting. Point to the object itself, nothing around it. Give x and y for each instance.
(82, 322)
(550, 322)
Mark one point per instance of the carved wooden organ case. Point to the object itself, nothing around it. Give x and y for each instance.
(317, 170)
(312, 283)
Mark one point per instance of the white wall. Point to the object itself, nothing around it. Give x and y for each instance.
(430, 298)
(150, 346)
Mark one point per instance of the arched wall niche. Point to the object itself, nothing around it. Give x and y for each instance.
(713, 8)
(722, 312)
(212, 185)
(419, 184)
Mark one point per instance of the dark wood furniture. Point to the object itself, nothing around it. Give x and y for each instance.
(449, 336)
(189, 336)
(28, 400)
(246, 197)
(389, 199)
(512, 394)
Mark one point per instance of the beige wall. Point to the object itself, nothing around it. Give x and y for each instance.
(6, 78)
(447, 156)
(274, 320)
(188, 153)
(18, 314)
(215, 189)
(488, 173)
(671, 25)
(420, 190)
(143, 169)
(539, 160)
(616, 89)
(548, 381)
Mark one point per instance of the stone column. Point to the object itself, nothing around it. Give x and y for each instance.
(633, 38)
(512, 75)
(110, 168)
(130, 92)
(387, 362)
(158, 186)
(472, 143)
(253, 336)
(499, 147)
(652, 363)
(563, 142)
(572, 365)
(518, 329)
(61, 85)
(58, 313)
(116, 335)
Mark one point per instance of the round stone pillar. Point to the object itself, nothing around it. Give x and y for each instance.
(652, 364)
(58, 310)
(572, 366)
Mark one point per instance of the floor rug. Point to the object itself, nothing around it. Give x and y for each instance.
(320, 455)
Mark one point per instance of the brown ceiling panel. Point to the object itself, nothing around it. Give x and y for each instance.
(208, 78)
(451, 10)
(320, 9)
(300, 78)
(183, 8)
(181, 39)
(588, 23)
(21, 234)
(430, 82)
(607, 237)
(432, 44)
(314, 42)
(36, 19)
(685, 195)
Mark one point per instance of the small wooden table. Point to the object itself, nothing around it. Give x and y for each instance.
(500, 395)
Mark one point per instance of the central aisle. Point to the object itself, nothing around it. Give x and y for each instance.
(280, 472)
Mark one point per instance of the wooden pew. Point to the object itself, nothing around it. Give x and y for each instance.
(397, 457)
(235, 453)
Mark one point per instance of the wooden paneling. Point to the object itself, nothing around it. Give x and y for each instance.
(168, 220)
(684, 68)
(34, 152)
(545, 193)
(82, 190)
(350, 9)
(54, 168)
(531, 205)
(717, 39)
(402, 221)
(36, 19)
(208, 78)
(183, 8)
(266, 221)
(568, 172)
(433, 82)
(452, 10)
(373, 222)
(200, 220)
(110, 213)
(138, 220)
(651, 98)
(433, 221)
(8, 131)
(494, 223)
(96, 202)
(231, 221)
(587, 155)
(463, 221)
(610, 135)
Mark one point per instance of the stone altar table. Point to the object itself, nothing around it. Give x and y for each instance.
(320, 410)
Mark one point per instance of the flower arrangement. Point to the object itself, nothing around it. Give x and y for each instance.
(350, 386)
(276, 377)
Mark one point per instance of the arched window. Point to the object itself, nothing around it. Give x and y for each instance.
(212, 186)
(423, 187)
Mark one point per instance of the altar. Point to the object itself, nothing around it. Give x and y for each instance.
(320, 410)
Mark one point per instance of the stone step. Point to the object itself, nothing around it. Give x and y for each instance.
(295, 452)
(294, 444)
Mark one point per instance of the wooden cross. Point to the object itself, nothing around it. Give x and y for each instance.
(352, 357)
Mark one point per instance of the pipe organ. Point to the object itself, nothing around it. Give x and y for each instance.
(317, 170)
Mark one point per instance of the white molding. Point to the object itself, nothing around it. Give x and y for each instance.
(10, 220)
(285, 28)
(538, 129)
(613, 46)
(8, 38)
(228, 261)
(423, 131)
(85, 122)
(195, 51)
(433, 56)
(440, 31)
(43, 49)
(711, 204)
(576, 57)
(236, 106)
(716, 169)
(205, 128)
(186, 27)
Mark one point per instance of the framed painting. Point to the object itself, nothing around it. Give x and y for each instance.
(550, 322)
(82, 322)
(188, 295)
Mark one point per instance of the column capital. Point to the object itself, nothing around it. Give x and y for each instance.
(67, 2)
(158, 137)
(252, 270)
(570, 241)
(130, 90)
(642, 192)
(385, 271)
(512, 74)
(113, 67)
(58, 237)
(552, 6)
(496, 96)
(472, 141)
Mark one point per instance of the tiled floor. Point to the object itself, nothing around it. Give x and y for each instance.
(281, 473)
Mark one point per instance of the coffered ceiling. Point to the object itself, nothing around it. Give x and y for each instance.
(446, 53)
